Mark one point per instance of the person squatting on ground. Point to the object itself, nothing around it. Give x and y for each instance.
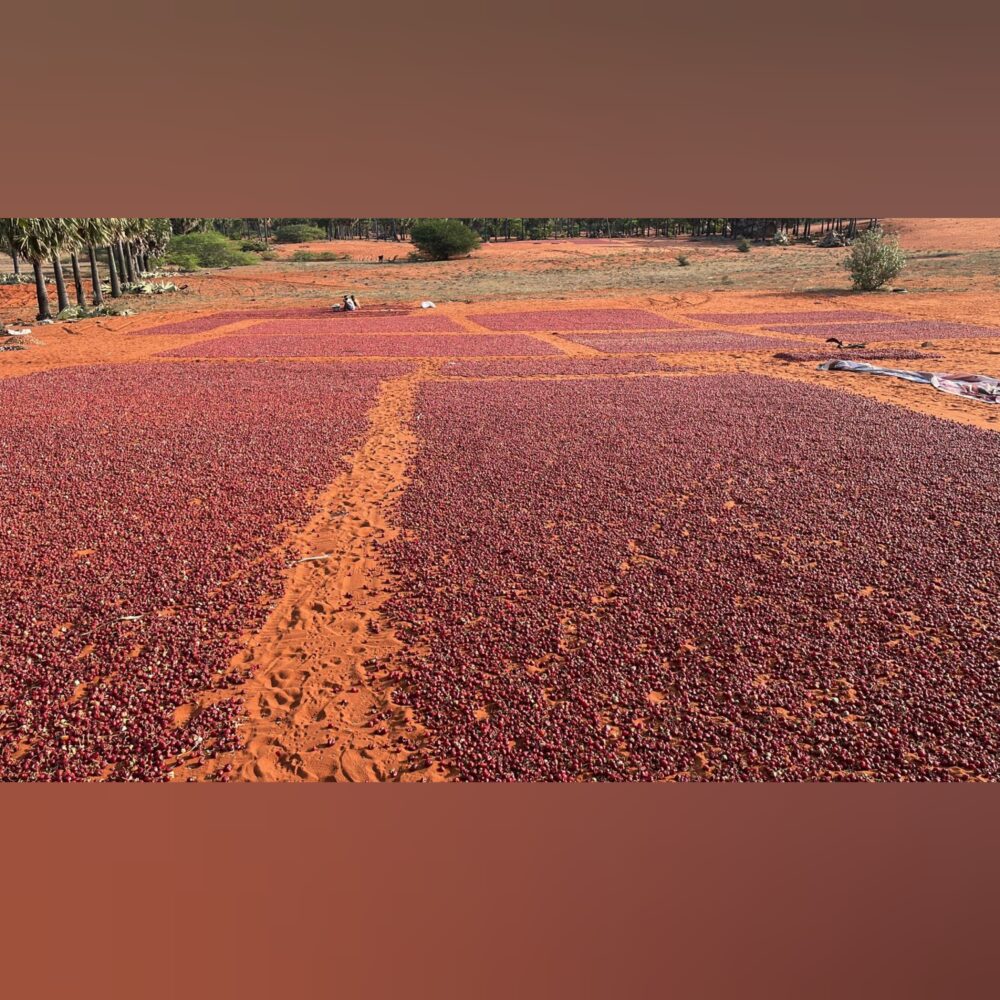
(350, 304)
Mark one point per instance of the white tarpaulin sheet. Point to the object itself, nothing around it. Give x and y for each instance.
(979, 387)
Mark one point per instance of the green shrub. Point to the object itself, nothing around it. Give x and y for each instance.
(299, 233)
(206, 250)
(253, 245)
(268, 255)
(743, 246)
(442, 239)
(86, 312)
(874, 259)
(307, 256)
(182, 262)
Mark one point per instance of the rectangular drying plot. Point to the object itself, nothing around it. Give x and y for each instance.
(153, 503)
(196, 324)
(892, 331)
(359, 322)
(711, 577)
(552, 366)
(312, 320)
(575, 319)
(199, 324)
(328, 345)
(677, 343)
(802, 317)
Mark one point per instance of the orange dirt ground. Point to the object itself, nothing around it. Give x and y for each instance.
(316, 708)
(946, 234)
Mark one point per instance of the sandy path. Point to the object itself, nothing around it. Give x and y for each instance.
(319, 706)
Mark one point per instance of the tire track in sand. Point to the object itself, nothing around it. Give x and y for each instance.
(319, 705)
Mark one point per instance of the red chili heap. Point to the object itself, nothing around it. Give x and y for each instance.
(144, 506)
(557, 366)
(264, 344)
(362, 322)
(316, 319)
(678, 343)
(803, 317)
(199, 324)
(886, 331)
(722, 577)
(576, 319)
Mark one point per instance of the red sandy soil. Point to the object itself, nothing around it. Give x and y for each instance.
(914, 234)
(354, 249)
(319, 704)
(567, 271)
(945, 234)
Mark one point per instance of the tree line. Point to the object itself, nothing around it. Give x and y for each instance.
(493, 229)
(124, 246)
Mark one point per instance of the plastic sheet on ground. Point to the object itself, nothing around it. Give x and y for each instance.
(983, 388)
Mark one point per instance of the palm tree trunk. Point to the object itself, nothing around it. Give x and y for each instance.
(17, 263)
(60, 283)
(43, 297)
(95, 277)
(126, 263)
(77, 280)
(120, 262)
(116, 288)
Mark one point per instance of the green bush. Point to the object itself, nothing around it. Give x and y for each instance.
(874, 259)
(183, 262)
(206, 250)
(442, 239)
(86, 312)
(253, 245)
(307, 256)
(299, 233)
(743, 246)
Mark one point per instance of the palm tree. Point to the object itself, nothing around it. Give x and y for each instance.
(94, 233)
(114, 228)
(77, 278)
(123, 258)
(64, 238)
(126, 245)
(73, 242)
(148, 235)
(137, 235)
(157, 238)
(35, 240)
(7, 237)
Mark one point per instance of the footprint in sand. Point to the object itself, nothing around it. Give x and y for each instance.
(355, 767)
